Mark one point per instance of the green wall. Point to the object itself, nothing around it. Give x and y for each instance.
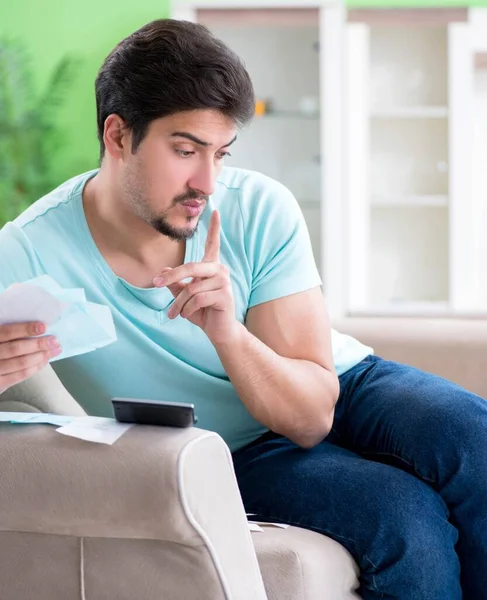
(89, 29)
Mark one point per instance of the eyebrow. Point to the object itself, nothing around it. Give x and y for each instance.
(193, 138)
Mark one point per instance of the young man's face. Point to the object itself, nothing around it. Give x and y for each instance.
(168, 180)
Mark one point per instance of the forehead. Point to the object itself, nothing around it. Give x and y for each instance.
(211, 126)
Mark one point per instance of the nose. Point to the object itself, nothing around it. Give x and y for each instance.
(203, 180)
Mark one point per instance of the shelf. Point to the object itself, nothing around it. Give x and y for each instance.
(288, 114)
(411, 112)
(405, 309)
(412, 201)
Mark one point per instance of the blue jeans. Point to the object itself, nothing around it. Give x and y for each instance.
(401, 482)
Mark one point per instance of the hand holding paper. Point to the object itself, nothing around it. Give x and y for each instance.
(22, 355)
(40, 306)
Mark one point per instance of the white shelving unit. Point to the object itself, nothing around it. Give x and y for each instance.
(409, 139)
(374, 136)
(293, 50)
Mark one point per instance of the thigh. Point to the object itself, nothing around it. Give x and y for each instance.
(369, 507)
(413, 420)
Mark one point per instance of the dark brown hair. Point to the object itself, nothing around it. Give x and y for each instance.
(166, 67)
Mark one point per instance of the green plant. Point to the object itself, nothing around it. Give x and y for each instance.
(30, 135)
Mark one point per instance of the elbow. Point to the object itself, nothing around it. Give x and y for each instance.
(313, 425)
(310, 441)
(308, 445)
(312, 436)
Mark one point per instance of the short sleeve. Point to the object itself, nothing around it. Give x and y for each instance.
(18, 259)
(277, 241)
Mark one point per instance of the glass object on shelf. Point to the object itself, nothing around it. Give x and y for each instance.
(261, 107)
(308, 107)
(291, 114)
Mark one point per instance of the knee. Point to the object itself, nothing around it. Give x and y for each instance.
(456, 422)
(458, 444)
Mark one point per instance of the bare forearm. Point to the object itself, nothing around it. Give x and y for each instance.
(293, 397)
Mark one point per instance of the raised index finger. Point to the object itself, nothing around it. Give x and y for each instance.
(212, 245)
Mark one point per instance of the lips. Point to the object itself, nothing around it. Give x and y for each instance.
(193, 203)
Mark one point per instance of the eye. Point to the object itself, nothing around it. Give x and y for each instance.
(184, 153)
(222, 155)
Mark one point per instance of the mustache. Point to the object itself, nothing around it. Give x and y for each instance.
(191, 195)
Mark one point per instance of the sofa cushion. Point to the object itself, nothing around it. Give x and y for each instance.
(43, 393)
(298, 564)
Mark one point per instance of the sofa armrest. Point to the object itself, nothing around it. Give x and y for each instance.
(154, 483)
(43, 392)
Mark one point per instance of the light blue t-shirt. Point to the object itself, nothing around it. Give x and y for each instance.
(264, 242)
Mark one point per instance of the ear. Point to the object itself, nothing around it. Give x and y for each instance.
(116, 136)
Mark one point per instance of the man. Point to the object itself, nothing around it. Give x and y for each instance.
(216, 300)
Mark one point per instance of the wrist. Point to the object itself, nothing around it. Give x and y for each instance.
(230, 338)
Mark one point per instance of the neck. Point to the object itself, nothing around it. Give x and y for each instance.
(122, 237)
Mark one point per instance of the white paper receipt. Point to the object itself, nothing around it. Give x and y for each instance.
(23, 302)
(258, 525)
(79, 326)
(95, 429)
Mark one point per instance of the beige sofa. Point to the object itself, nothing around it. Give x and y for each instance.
(158, 516)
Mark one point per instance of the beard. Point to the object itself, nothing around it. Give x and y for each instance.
(162, 225)
(141, 208)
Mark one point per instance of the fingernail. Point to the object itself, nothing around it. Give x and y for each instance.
(39, 328)
(56, 351)
(159, 281)
(53, 343)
